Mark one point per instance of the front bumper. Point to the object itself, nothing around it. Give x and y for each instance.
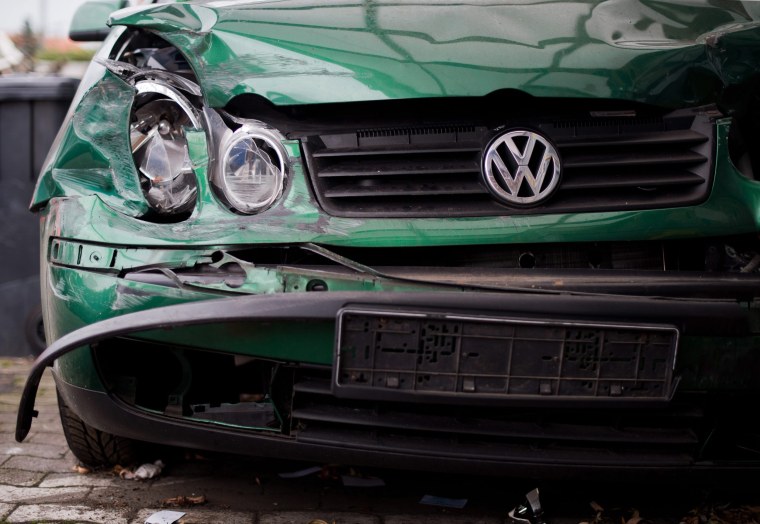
(232, 321)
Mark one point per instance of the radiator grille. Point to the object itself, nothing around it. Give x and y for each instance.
(608, 164)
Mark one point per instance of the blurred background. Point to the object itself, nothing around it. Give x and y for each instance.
(40, 70)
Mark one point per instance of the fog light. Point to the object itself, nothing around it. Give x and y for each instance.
(252, 171)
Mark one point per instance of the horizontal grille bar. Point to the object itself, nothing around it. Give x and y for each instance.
(406, 151)
(402, 166)
(614, 180)
(632, 159)
(411, 421)
(659, 138)
(488, 450)
(408, 189)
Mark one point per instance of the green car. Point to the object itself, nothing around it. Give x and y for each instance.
(495, 237)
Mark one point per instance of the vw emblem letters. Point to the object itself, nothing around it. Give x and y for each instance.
(521, 167)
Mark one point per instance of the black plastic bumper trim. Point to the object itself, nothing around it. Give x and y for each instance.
(692, 317)
(105, 412)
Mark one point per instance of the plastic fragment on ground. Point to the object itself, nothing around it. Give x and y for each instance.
(432, 500)
(165, 517)
(144, 472)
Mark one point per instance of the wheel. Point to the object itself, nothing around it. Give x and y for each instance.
(93, 447)
(34, 330)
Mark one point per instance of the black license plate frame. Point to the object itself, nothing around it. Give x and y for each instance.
(541, 359)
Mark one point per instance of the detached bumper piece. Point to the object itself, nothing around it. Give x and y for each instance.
(486, 382)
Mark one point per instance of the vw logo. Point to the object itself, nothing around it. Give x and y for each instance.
(521, 167)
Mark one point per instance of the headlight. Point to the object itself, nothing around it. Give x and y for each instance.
(251, 171)
(160, 115)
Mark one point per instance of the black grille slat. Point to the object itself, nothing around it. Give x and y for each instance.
(631, 159)
(443, 446)
(627, 180)
(609, 164)
(409, 151)
(400, 420)
(659, 138)
(405, 166)
(415, 189)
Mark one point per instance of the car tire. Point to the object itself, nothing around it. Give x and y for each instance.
(34, 331)
(93, 447)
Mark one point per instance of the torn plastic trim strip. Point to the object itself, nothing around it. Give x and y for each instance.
(671, 286)
(694, 317)
(361, 268)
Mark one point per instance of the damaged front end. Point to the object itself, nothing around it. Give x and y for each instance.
(234, 257)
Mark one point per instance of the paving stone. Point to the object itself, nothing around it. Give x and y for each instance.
(8, 417)
(46, 438)
(440, 519)
(60, 480)
(50, 424)
(297, 517)
(18, 477)
(21, 494)
(57, 512)
(9, 399)
(9, 408)
(5, 509)
(34, 450)
(40, 464)
(202, 516)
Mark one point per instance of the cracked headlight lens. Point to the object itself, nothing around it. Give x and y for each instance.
(252, 170)
(160, 116)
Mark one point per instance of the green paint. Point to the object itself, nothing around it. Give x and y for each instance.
(316, 52)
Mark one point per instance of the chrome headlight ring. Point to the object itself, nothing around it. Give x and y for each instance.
(159, 147)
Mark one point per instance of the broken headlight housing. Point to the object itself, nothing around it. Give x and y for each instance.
(252, 167)
(160, 116)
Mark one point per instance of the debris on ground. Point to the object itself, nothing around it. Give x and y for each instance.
(183, 501)
(165, 517)
(530, 511)
(356, 479)
(725, 514)
(301, 473)
(350, 477)
(82, 470)
(615, 516)
(599, 510)
(443, 502)
(144, 472)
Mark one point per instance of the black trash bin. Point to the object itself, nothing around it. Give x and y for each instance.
(32, 109)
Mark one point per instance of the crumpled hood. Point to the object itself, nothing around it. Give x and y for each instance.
(670, 53)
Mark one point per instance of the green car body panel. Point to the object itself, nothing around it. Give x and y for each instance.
(99, 239)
